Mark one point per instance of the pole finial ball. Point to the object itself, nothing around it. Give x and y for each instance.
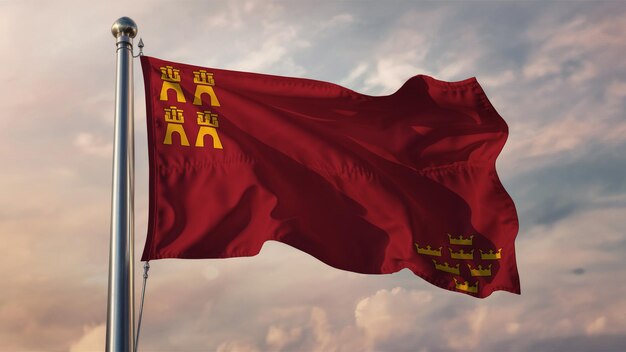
(124, 26)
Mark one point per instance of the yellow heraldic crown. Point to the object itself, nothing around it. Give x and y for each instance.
(428, 251)
(171, 80)
(491, 255)
(448, 269)
(480, 271)
(461, 254)
(205, 83)
(465, 286)
(175, 119)
(461, 241)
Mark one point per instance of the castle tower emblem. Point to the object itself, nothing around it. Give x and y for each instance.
(175, 119)
(171, 80)
(204, 85)
(208, 123)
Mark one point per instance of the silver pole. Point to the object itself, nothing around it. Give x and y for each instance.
(121, 301)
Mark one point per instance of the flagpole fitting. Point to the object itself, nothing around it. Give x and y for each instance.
(124, 29)
(140, 45)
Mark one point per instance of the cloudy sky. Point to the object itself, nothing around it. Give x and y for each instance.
(556, 72)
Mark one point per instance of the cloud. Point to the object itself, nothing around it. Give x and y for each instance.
(605, 342)
(278, 338)
(501, 78)
(391, 313)
(616, 89)
(577, 49)
(236, 346)
(564, 187)
(596, 326)
(210, 273)
(92, 145)
(422, 42)
(390, 73)
(337, 20)
(555, 72)
(273, 49)
(304, 329)
(355, 74)
(93, 340)
(464, 331)
(230, 18)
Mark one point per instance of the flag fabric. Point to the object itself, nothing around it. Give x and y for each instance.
(369, 184)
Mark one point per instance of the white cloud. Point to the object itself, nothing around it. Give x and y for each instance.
(463, 331)
(93, 339)
(237, 346)
(275, 48)
(210, 273)
(355, 74)
(391, 73)
(337, 20)
(278, 337)
(616, 89)
(512, 327)
(577, 49)
(540, 67)
(93, 145)
(392, 313)
(229, 18)
(321, 330)
(596, 326)
(499, 79)
(571, 131)
(415, 46)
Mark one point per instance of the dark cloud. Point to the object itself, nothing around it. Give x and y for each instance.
(579, 343)
(560, 189)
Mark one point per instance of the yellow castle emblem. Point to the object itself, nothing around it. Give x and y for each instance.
(204, 85)
(208, 123)
(175, 119)
(171, 81)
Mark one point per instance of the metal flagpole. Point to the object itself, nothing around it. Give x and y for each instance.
(121, 300)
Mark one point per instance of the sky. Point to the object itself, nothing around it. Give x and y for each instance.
(556, 72)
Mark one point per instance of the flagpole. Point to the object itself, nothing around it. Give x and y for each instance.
(121, 302)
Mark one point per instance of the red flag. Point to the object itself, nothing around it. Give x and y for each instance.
(366, 184)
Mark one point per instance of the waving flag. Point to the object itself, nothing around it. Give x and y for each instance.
(369, 184)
